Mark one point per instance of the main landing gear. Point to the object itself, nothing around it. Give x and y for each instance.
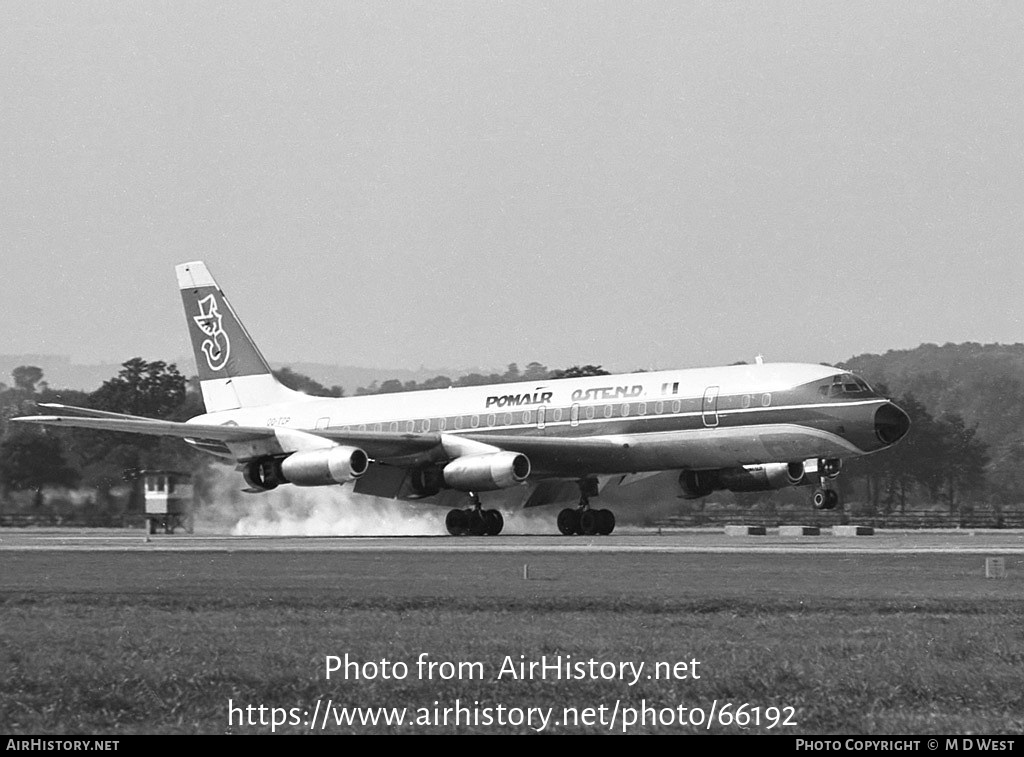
(583, 520)
(474, 521)
(826, 497)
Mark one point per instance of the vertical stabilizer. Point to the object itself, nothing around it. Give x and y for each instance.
(232, 372)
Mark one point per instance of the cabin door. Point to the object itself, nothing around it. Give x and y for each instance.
(709, 409)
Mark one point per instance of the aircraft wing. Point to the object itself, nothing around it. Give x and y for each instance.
(245, 441)
(558, 454)
(403, 449)
(86, 411)
(137, 425)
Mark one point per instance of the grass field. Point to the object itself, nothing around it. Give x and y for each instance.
(160, 642)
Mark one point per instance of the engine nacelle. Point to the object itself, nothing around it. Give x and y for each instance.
(426, 482)
(263, 475)
(481, 473)
(323, 467)
(698, 483)
(759, 478)
(748, 478)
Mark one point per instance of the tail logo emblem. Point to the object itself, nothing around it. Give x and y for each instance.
(218, 346)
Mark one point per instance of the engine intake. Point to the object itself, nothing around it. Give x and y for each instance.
(323, 467)
(263, 475)
(481, 473)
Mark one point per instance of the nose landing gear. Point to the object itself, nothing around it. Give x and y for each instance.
(826, 497)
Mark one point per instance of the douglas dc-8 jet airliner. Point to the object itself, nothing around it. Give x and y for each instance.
(742, 427)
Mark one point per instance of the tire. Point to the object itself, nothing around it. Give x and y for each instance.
(477, 523)
(589, 520)
(605, 522)
(568, 521)
(820, 499)
(455, 522)
(495, 522)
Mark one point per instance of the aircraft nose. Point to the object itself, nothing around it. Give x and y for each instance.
(891, 424)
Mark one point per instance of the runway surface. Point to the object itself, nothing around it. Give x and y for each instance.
(968, 542)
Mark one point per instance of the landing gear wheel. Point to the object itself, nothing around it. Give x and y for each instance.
(605, 522)
(589, 520)
(825, 499)
(456, 522)
(494, 522)
(831, 499)
(568, 521)
(477, 525)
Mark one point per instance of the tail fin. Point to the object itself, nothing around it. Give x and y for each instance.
(232, 372)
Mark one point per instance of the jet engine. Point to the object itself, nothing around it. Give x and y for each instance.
(487, 472)
(426, 482)
(322, 467)
(314, 467)
(748, 478)
(263, 475)
(698, 483)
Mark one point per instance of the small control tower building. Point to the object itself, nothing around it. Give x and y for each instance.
(168, 500)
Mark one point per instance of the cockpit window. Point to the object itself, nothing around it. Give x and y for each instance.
(844, 384)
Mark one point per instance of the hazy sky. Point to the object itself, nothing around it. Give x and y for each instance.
(454, 184)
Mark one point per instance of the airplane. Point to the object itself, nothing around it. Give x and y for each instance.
(741, 427)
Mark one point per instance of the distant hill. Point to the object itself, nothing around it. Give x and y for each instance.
(59, 372)
(351, 377)
(984, 383)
